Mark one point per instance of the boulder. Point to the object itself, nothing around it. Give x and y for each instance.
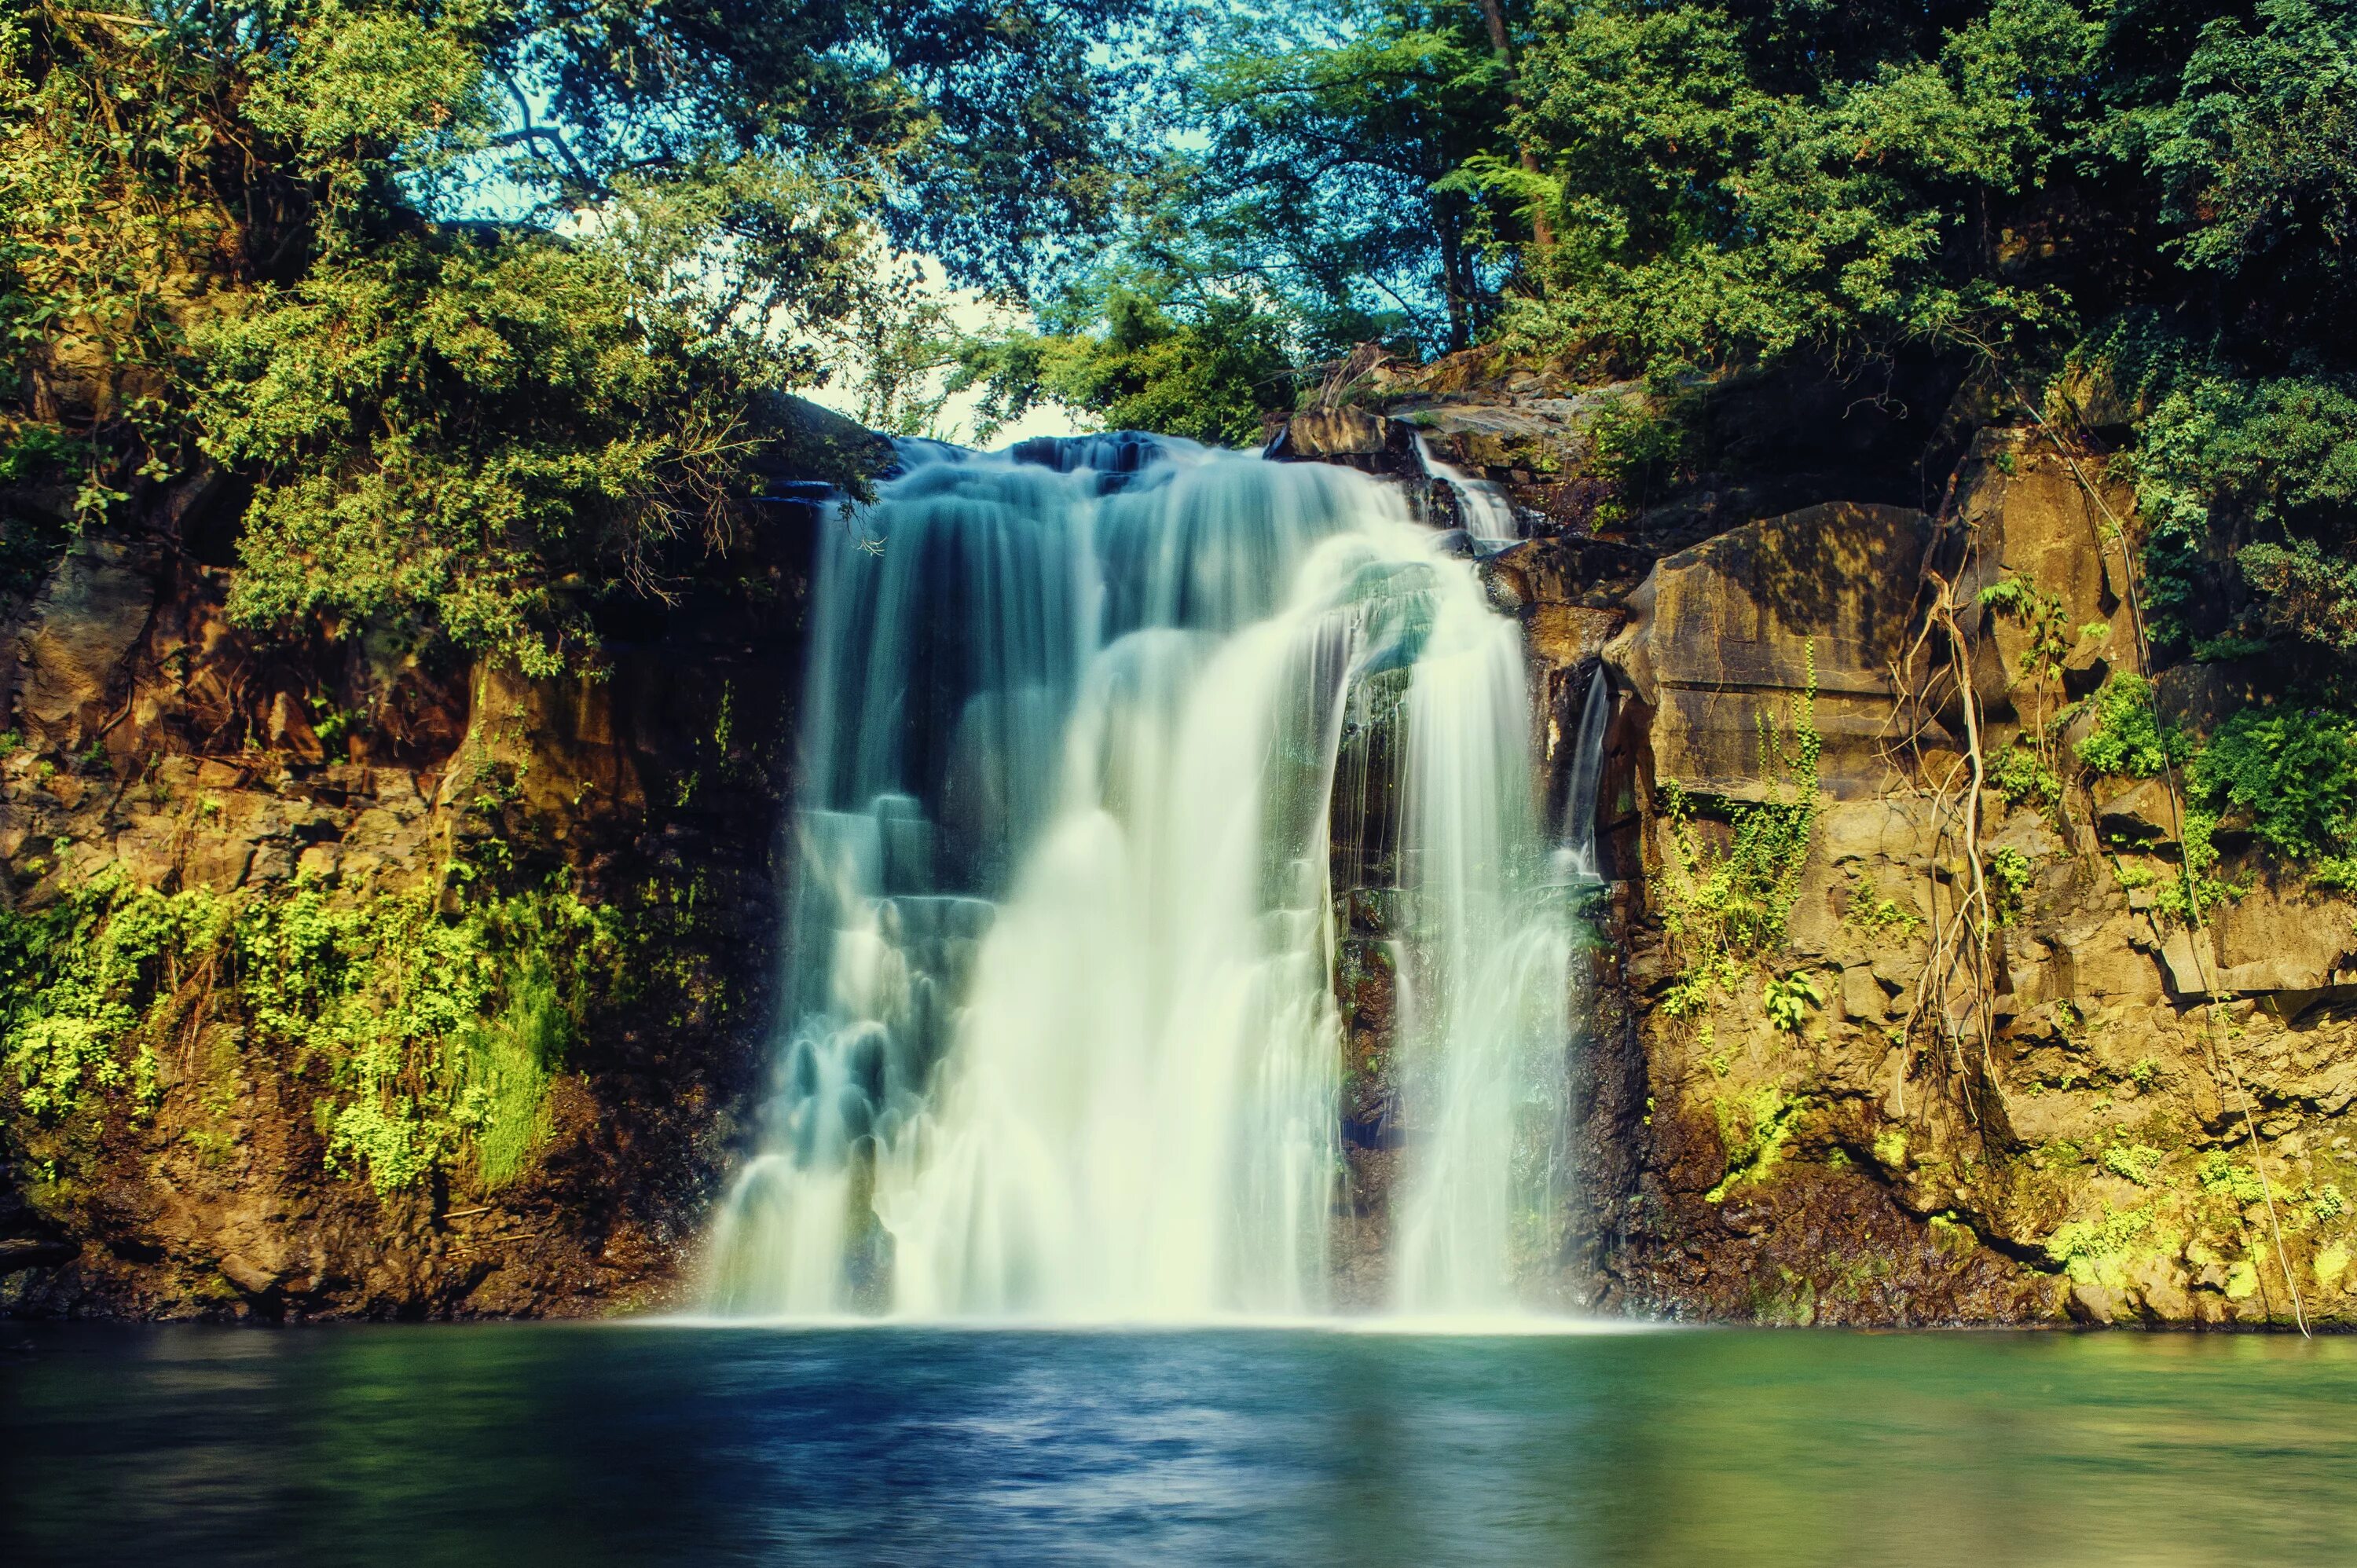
(2139, 811)
(77, 638)
(2267, 941)
(1723, 637)
(2031, 517)
(1350, 436)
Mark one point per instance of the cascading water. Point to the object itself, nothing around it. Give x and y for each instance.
(1576, 851)
(1062, 1037)
(1488, 516)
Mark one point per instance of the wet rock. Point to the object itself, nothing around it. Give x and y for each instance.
(74, 650)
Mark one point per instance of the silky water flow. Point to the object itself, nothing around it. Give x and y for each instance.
(1060, 1040)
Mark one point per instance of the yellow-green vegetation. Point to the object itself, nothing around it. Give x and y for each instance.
(2138, 1163)
(1754, 1129)
(2198, 1209)
(1876, 918)
(1722, 908)
(1790, 1000)
(433, 1040)
(2009, 877)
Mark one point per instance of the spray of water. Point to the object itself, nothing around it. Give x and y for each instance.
(1061, 1041)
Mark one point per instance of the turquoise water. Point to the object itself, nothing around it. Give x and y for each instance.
(597, 1445)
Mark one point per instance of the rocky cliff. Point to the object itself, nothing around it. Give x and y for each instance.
(345, 982)
(1905, 1015)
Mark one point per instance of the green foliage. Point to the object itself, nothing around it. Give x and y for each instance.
(2255, 150)
(2039, 664)
(2291, 773)
(1730, 183)
(440, 1037)
(2253, 474)
(1642, 451)
(598, 426)
(1331, 131)
(2126, 738)
(2009, 877)
(2025, 778)
(1790, 1000)
(486, 299)
(1212, 373)
(79, 978)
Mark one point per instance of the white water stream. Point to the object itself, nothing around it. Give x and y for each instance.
(1063, 1041)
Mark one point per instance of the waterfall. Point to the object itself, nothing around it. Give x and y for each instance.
(1575, 853)
(1060, 1039)
(1488, 516)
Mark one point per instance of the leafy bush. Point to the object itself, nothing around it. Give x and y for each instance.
(1211, 373)
(2024, 777)
(2292, 773)
(1789, 1001)
(2127, 738)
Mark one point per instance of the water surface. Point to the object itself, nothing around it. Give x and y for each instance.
(640, 1445)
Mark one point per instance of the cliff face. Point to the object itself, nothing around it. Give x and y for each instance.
(1936, 1054)
(347, 983)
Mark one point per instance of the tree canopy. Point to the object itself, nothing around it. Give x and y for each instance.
(479, 296)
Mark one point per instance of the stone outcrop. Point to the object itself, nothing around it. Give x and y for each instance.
(1728, 636)
(2110, 1129)
(156, 751)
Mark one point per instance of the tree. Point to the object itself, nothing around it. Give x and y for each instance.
(261, 231)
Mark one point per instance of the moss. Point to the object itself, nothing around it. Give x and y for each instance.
(2221, 1175)
(2138, 1163)
(2329, 1263)
(1890, 1149)
(1754, 1130)
(2096, 1251)
(436, 1037)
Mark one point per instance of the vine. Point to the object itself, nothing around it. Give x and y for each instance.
(1721, 907)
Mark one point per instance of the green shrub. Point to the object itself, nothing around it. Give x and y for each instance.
(1789, 1001)
(2127, 738)
(440, 1037)
(2024, 777)
(2293, 773)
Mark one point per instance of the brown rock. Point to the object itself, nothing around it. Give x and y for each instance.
(1721, 637)
(2139, 811)
(77, 639)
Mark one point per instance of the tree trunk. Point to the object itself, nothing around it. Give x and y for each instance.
(1493, 16)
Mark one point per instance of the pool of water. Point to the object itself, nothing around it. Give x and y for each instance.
(665, 1444)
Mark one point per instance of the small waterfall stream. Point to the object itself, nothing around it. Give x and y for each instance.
(1488, 516)
(1062, 1039)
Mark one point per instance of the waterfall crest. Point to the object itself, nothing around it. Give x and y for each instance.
(1060, 1039)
